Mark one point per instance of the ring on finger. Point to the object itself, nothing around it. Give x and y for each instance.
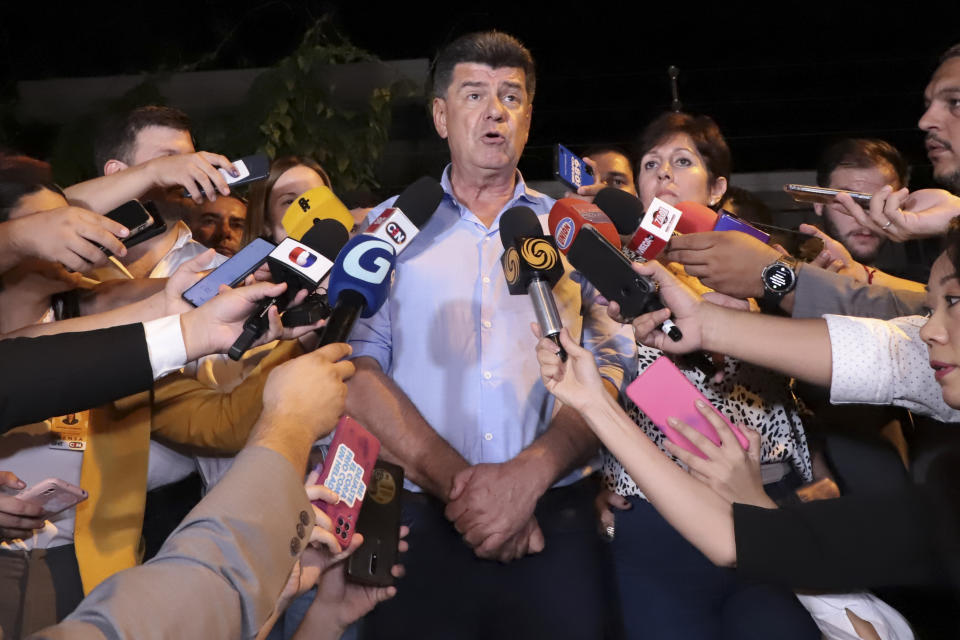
(884, 227)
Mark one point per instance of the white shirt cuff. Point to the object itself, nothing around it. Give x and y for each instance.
(165, 345)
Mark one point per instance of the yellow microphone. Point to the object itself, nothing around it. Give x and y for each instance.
(316, 204)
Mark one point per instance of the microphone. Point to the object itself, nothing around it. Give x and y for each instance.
(301, 264)
(311, 206)
(359, 284)
(697, 217)
(599, 260)
(532, 266)
(400, 224)
(644, 234)
(569, 214)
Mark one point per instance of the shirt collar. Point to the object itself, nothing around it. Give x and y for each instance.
(521, 192)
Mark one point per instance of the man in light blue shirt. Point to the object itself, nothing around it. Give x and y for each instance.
(448, 380)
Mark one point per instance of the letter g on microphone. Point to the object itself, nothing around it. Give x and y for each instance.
(369, 261)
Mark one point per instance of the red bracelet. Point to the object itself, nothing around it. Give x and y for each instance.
(870, 272)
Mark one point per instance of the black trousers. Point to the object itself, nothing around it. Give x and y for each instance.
(449, 593)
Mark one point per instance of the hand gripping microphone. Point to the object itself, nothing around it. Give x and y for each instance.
(697, 217)
(302, 265)
(359, 285)
(532, 265)
(400, 224)
(600, 262)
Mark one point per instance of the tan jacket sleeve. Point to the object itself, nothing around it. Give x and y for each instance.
(187, 411)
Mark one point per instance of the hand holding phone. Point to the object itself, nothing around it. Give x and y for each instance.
(249, 169)
(231, 273)
(53, 496)
(346, 471)
(824, 195)
(379, 523)
(662, 392)
(142, 220)
(570, 169)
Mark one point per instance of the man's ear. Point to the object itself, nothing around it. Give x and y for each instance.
(818, 209)
(440, 116)
(113, 166)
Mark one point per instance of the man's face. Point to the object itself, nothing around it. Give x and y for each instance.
(862, 243)
(613, 170)
(941, 121)
(154, 142)
(219, 224)
(485, 117)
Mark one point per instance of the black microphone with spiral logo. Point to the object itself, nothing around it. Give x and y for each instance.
(532, 265)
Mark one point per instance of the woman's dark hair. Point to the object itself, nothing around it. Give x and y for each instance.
(11, 192)
(704, 133)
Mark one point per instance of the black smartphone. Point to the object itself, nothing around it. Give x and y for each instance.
(249, 169)
(610, 272)
(379, 522)
(231, 273)
(133, 215)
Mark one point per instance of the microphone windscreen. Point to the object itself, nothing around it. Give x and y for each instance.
(327, 237)
(420, 200)
(365, 266)
(695, 217)
(624, 209)
(316, 204)
(567, 217)
(519, 222)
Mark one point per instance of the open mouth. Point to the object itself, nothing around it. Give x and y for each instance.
(493, 138)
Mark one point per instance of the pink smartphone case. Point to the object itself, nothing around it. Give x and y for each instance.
(53, 495)
(347, 470)
(662, 392)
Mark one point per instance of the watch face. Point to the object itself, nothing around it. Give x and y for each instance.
(779, 278)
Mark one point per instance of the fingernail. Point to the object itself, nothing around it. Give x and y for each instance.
(235, 173)
(21, 484)
(700, 404)
(672, 422)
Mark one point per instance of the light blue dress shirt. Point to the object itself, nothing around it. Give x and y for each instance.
(460, 346)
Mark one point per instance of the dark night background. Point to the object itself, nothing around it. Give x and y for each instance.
(780, 80)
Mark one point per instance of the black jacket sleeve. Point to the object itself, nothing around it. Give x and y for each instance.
(848, 543)
(53, 375)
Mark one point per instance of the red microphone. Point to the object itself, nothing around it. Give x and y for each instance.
(569, 215)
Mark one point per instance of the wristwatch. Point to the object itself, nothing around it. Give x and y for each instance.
(779, 278)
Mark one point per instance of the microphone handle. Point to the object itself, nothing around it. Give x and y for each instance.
(545, 307)
(344, 315)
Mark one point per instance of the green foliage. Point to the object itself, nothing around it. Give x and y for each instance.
(292, 107)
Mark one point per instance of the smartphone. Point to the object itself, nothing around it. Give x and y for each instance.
(662, 392)
(53, 495)
(249, 169)
(231, 273)
(133, 215)
(610, 272)
(570, 169)
(379, 522)
(823, 195)
(347, 470)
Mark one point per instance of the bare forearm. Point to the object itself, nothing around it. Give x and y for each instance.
(106, 193)
(795, 347)
(564, 446)
(383, 408)
(691, 507)
(112, 294)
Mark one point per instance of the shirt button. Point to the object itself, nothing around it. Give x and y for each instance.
(294, 546)
(487, 324)
(488, 436)
(304, 518)
(486, 280)
(301, 530)
(487, 375)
